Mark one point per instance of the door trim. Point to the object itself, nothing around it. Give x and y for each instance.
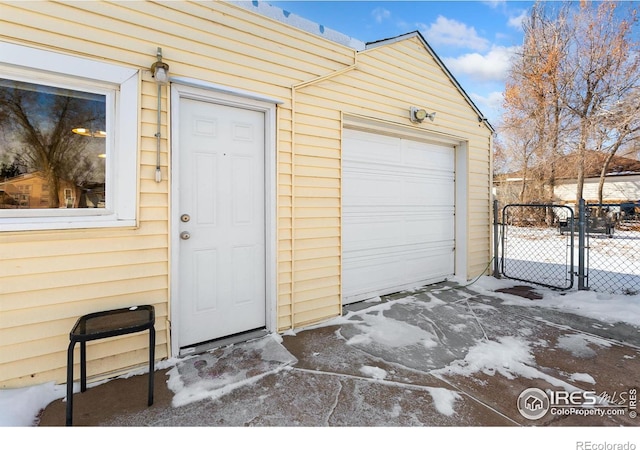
(179, 92)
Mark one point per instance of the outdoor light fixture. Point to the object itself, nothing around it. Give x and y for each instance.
(160, 70)
(418, 115)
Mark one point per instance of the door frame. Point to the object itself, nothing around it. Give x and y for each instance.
(206, 92)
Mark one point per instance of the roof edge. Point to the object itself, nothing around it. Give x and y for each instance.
(273, 12)
(412, 34)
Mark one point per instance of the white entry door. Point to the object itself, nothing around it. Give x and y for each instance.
(398, 214)
(222, 221)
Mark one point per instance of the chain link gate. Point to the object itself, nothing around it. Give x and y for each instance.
(537, 244)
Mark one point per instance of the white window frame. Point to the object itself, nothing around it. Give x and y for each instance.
(122, 87)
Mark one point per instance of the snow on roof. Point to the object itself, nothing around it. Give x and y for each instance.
(301, 23)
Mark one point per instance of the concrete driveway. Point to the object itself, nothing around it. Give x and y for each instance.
(444, 355)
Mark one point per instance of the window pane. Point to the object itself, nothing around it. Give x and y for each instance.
(53, 147)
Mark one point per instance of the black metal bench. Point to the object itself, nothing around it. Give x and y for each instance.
(595, 225)
(102, 325)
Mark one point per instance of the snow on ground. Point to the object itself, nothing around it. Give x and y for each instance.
(605, 307)
(510, 356)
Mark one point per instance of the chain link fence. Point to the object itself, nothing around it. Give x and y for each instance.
(532, 247)
(551, 246)
(613, 259)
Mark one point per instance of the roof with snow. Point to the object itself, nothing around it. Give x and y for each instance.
(301, 23)
(309, 26)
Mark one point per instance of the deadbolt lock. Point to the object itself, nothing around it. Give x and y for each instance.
(185, 217)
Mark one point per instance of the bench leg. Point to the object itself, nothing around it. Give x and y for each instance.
(152, 353)
(69, 418)
(83, 366)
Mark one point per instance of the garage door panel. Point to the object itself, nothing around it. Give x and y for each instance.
(361, 146)
(370, 189)
(384, 189)
(431, 192)
(437, 158)
(371, 274)
(433, 265)
(362, 233)
(398, 214)
(429, 229)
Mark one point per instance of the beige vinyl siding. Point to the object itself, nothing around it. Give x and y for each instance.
(48, 279)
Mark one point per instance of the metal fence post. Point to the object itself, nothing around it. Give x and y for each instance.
(496, 237)
(582, 227)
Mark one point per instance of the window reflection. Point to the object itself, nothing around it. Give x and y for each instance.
(52, 147)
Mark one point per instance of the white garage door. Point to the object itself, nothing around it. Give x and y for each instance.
(398, 214)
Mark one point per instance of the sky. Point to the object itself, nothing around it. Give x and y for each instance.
(475, 39)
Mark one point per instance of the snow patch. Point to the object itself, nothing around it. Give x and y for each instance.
(20, 407)
(444, 400)
(389, 332)
(578, 344)
(585, 377)
(374, 372)
(510, 356)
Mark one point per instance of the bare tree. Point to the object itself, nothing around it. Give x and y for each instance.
(575, 84)
(534, 87)
(602, 67)
(619, 127)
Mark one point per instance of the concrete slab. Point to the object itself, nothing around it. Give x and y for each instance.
(443, 355)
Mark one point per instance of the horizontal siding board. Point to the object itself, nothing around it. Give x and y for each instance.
(316, 252)
(313, 294)
(108, 294)
(319, 304)
(89, 245)
(70, 263)
(88, 276)
(322, 276)
(306, 233)
(315, 315)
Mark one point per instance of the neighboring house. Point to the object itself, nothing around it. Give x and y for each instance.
(621, 184)
(617, 188)
(31, 191)
(288, 175)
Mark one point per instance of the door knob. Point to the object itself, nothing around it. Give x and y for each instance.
(185, 235)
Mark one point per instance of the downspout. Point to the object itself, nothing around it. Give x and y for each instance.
(294, 89)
